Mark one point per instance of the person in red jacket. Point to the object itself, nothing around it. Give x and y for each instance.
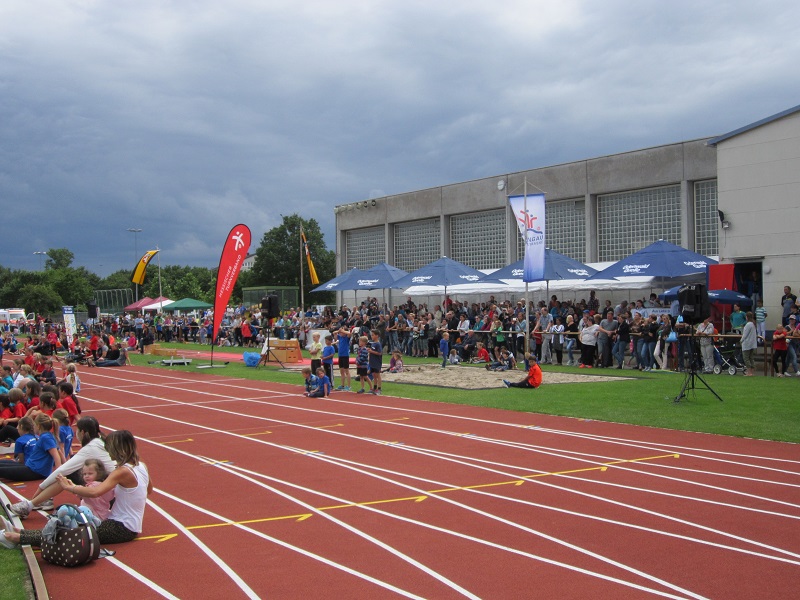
(534, 378)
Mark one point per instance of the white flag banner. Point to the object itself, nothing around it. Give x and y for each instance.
(529, 213)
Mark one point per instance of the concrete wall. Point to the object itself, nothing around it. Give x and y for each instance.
(759, 192)
(679, 163)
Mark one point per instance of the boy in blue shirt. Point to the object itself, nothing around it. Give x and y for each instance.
(376, 362)
(312, 384)
(343, 336)
(362, 362)
(327, 358)
(444, 348)
(324, 382)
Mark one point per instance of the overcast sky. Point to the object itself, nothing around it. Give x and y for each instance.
(185, 118)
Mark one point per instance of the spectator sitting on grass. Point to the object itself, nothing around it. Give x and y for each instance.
(396, 363)
(506, 362)
(534, 378)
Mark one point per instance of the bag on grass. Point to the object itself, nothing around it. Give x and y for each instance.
(72, 546)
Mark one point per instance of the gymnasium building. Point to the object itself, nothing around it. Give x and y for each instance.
(735, 196)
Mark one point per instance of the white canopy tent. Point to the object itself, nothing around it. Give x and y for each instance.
(157, 305)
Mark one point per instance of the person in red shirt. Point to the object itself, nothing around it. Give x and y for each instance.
(780, 350)
(67, 402)
(534, 378)
(94, 344)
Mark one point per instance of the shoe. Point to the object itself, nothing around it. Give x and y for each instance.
(780, 375)
(340, 388)
(21, 509)
(619, 367)
(487, 366)
(346, 388)
(581, 366)
(588, 366)
(7, 526)
(361, 391)
(46, 505)
(506, 383)
(7, 542)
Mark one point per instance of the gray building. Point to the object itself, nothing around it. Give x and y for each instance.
(603, 209)
(758, 169)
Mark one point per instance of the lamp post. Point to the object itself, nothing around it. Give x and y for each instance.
(135, 231)
(41, 255)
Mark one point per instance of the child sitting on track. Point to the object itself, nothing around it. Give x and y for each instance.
(312, 384)
(324, 382)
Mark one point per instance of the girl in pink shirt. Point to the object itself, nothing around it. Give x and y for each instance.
(93, 472)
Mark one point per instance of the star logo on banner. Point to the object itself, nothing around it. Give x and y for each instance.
(238, 241)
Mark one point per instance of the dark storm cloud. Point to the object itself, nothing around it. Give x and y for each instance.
(185, 118)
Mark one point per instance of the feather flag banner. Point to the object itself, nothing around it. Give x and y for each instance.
(237, 244)
(529, 214)
(140, 270)
(312, 272)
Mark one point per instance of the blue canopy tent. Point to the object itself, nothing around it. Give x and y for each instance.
(444, 272)
(345, 281)
(660, 259)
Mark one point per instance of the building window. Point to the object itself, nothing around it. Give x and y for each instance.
(365, 247)
(478, 239)
(706, 219)
(564, 230)
(416, 244)
(629, 221)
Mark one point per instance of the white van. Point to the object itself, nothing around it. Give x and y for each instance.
(14, 317)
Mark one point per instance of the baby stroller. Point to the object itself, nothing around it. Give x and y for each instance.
(728, 357)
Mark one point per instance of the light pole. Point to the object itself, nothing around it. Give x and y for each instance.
(41, 255)
(135, 231)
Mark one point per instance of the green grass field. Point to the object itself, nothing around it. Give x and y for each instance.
(757, 407)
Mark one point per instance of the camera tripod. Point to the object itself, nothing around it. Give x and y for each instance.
(690, 381)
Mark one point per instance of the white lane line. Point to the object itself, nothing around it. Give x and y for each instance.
(632, 507)
(576, 548)
(115, 561)
(206, 550)
(238, 471)
(323, 514)
(522, 445)
(289, 546)
(139, 577)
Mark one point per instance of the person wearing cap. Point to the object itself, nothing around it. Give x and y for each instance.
(534, 378)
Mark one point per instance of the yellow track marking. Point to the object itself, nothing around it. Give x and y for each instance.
(515, 482)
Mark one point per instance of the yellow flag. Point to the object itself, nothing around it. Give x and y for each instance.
(311, 270)
(141, 267)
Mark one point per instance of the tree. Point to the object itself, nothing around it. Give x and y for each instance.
(40, 299)
(74, 286)
(59, 258)
(278, 257)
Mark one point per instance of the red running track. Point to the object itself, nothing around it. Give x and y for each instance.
(261, 492)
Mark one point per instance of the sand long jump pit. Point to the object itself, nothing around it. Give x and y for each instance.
(478, 378)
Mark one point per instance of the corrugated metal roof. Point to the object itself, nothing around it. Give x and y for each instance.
(735, 132)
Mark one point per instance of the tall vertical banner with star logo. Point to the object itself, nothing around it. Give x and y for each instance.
(235, 250)
(528, 211)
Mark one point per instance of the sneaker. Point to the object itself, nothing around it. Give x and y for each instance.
(581, 366)
(588, 366)
(346, 388)
(7, 526)
(361, 391)
(46, 505)
(21, 509)
(780, 374)
(506, 383)
(341, 388)
(6, 542)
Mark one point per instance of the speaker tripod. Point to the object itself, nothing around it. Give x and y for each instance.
(266, 350)
(690, 381)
